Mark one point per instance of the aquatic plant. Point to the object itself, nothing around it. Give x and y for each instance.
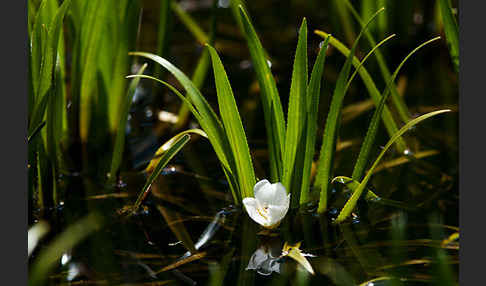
(270, 204)
(291, 143)
(84, 131)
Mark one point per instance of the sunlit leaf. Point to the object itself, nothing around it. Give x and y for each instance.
(293, 251)
(296, 116)
(369, 140)
(233, 127)
(451, 31)
(164, 159)
(313, 95)
(272, 108)
(332, 125)
(388, 121)
(351, 203)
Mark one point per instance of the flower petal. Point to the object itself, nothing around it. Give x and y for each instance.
(251, 208)
(270, 194)
(276, 213)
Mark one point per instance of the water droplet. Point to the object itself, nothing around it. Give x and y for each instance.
(269, 63)
(65, 258)
(407, 152)
(224, 3)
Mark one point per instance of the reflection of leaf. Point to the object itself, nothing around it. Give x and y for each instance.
(178, 263)
(178, 229)
(293, 251)
(453, 237)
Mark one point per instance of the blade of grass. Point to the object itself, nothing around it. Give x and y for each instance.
(369, 140)
(35, 131)
(373, 50)
(122, 122)
(209, 120)
(206, 117)
(164, 159)
(198, 79)
(272, 107)
(398, 101)
(44, 54)
(94, 19)
(54, 119)
(351, 203)
(155, 161)
(228, 173)
(37, 47)
(313, 95)
(296, 115)
(451, 31)
(55, 29)
(331, 129)
(387, 118)
(125, 30)
(233, 127)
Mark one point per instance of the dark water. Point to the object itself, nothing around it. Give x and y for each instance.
(395, 246)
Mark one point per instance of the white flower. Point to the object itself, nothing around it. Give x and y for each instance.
(270, 204)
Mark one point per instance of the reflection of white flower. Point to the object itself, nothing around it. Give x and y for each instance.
(270, 204)
(264, 261)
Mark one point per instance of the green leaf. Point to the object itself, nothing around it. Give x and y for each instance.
(155, 161)
(124, 25)
(272, 108)
(208, 118)
(351, 203)
(369, 140)
(451, 31)
(35, 131)
(331, 129)
(233, 127)
(296, 116)
(313, 95)
(228, 172)
(398, 101)
(293, 251)
(122, 122)
(94, 21)
(43, 55)
(175, 147)
(387, 118)
(361, 64)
